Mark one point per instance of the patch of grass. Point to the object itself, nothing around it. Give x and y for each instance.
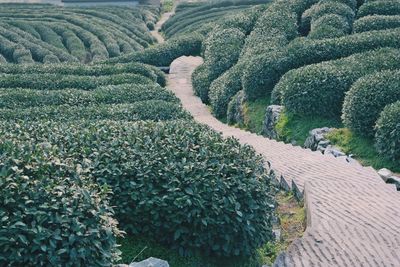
(255, 114)
(291, 214)
(291, 127)
(167, 6)
(362, 148)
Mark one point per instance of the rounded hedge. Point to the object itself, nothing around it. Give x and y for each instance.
(201, 81)
(222, 49)
(262, 72)
(387, 138)
(177, 182)
(367, 98)
(376, 23)
(325, 8)
(329, 26)
(320, 88)
(223, 89)
(387, 7)
(50, 214)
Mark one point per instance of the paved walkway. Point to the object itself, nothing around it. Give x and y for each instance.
(353, 217)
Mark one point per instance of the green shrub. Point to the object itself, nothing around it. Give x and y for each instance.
(113, 94)
(222, 49)
(387, 138)
(87, 70)
(155, 110)
(234, 113)
(201, 81)
(367, 98)
(50, 214)
(329, 26)
(223, 89)
(177, 182)
(321, 9)
(376, 23)
(58, 81)
(262, 72)
(163, 54)
(386, 7)
(22, 55)
(320, 88)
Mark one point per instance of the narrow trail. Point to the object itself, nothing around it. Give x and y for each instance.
(353, 217)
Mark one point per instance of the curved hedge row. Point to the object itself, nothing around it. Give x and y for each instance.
(221, 51)
(148, 71)
(387, 136)
(177, 182)
(262, 72)
(77, 34)
(47, 81)
(155, 110)
(386, 7)
(329, 26)
(367, 98)
(223, 89)
(320, 88)
(50, 213)
(322, 9)
(376, 23)
(163, 54)
(112, 94)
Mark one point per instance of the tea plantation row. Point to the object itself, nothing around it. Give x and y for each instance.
(50, 34)
(313, 56)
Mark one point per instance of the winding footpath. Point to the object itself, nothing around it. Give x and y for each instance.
(353, 217)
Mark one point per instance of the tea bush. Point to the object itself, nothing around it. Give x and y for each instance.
(223, 89)
(177, 182)
(86, 70)
(367, 98)
(58, 81)
(387, 7)
(163, 54)
(142, 110)
(322, 9)
(201, 81)
(262, 72)
(376, 22)
(329, 26)
(320, 88)
(50, 213)
(111, 94)
(387, 128)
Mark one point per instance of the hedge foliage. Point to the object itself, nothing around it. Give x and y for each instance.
(367, 98)
(155, 110)
(223, 89)
(326, 8)
(177, 182)
(376, 23)
(201, 81)
(386, 7)
(163, 54)
(86, 70)
(320, 88)
(50, 213)
(329, 26)
(66, 34)
(387, 136)
(17, 98)
(59, 81)
(262, 72)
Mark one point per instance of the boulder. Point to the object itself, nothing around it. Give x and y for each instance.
(150, 262)
(272, 115)
(316, 139)
(235, 114)
(385, 174)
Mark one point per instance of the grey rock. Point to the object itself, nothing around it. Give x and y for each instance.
(334, 151)
(317, 136)
(277, 234)
(280, 260)
(394, 180)
(385, 174)
(272, 115)
(235, 113)
(150, 262)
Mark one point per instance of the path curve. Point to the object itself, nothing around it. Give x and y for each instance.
(353, 217)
